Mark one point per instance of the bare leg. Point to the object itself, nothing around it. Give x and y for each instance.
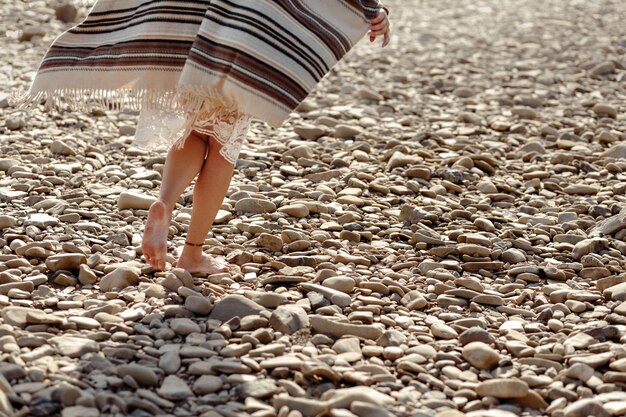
(181, 167)
(208, 195)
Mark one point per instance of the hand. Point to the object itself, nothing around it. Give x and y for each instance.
(380, 26)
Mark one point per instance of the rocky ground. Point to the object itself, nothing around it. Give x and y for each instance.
(439, 231)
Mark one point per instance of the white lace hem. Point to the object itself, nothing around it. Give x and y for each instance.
(158, 128)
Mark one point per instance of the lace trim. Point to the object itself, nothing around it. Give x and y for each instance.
(159, 128)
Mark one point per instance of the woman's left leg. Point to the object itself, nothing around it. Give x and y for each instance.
(181, 167)
(208, 195)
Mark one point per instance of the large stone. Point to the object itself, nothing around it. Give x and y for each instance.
(120, 278)
(338, 329)
(235, 306)
(144, 376)
(184, 326)
(207, 384)
(175, 389)
(72, 346)
(254, 206)
(585, 408)
(587, 246)
(65, 261)
(480, 355)
(198, 304)
(270, 242)
(41, 220)
(502, 388)
(296, 210)
(289, 319)
(134, 200)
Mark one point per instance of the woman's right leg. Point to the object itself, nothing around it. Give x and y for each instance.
(181, 167)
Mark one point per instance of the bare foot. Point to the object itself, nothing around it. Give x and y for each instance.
(154, 242)
(204, 264)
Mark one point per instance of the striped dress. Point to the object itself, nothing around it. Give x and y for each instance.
(206, 65)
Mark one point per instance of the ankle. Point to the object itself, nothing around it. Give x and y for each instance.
(191, 253)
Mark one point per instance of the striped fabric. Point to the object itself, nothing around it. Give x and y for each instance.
(254, 57)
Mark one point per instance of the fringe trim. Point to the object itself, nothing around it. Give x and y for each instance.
(205, 111)
(87, 99)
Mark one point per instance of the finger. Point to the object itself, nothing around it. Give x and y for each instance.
(378, 19)
(378, 33)
(387, 38)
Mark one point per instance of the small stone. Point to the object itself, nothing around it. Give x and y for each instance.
(85, 275)
(443, 331)
(198, 304)
(338, 329)
(72, 346)
(134, 200)
(296, 210)
(60, 148)
(343, 284)
(476, 334)
(66, 12)
(513, 256)
(207, 384)
(343, 131)
(235, 306)
(41, 220)
(7, 221)
(144, 376)
(585, 408)
(80, 411)
(289, 319)
(480, 355)
(175, 389)
(502, 388)
(120, 278)
(65, 261)
(414, 300)
(184, 326)
(270, 242)
(604, 109)
(254, 206)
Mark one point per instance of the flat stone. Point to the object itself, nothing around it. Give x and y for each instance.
(289, 319)
(119, 279)
(207, 384)
(175, 389)
(254, 206)
(480, 355)
(184, 326)
(337, 329)
(143, 375)
(585, 408)
(235, 306)
(502, 388)
(134, 200)
(74, 347)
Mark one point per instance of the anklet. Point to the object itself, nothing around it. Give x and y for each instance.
(197, 245)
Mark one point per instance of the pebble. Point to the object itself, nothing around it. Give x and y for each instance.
(419, 239)
(480, 355)
(502, 388)
(174, 389)
(143, 375)
(184, 326)
(119, 278)
(134, 200)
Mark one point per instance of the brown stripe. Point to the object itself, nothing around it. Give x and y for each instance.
(260, 69)
(134, 47)
(126, 63)
(336, 48)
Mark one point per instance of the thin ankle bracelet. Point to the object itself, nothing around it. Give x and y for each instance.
(197, 245)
